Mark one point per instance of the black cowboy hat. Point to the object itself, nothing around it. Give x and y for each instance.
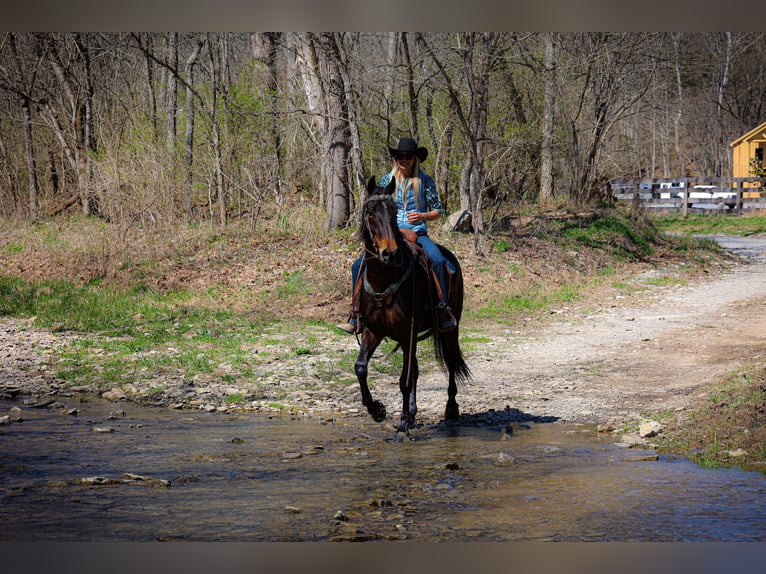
(409, 144)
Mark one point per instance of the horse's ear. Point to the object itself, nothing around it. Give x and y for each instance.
(391, 187)
(371, 185)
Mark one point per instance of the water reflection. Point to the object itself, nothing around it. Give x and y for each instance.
(259, 478)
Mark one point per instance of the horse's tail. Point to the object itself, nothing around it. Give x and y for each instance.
(447, 345)
(450, 357)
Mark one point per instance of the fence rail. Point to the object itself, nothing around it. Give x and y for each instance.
(700, 194)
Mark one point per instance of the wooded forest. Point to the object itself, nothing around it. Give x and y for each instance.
(163, 128)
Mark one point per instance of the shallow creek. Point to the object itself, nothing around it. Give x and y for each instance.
(122, 472)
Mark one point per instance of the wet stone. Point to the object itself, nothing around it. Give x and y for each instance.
(15, 414)
(649, 429)
(505, 459)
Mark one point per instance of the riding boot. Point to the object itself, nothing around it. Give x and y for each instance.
(445, 319)
(352, 325)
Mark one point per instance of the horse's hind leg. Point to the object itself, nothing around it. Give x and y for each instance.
(452, 410)
(368, 345)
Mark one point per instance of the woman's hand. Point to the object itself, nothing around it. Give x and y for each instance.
(415, 217)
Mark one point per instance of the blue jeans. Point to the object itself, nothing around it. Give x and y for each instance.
(433, 253)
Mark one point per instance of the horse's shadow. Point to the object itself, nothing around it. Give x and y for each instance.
(491, 420)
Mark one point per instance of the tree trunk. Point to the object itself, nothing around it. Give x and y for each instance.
(546, 147)
(357, 171)
(412, 94)
(34, 211)
(308, 64)
(171, 99)
(189, 139)
(265, 46)
(336, 138)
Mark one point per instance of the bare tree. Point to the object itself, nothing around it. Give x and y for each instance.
(546, 146)
(189, 138)
(171, 97)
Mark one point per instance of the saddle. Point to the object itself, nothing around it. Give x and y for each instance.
(411, 239)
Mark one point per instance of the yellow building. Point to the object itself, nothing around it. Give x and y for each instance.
(745, 148)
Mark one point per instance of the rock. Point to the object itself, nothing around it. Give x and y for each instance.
(129, 477)
(99, 480)
(548, 449)
(15, 414)
(631, 440)
(737, 452)
(292, 455)
(115, 394)
(504, 459)
(459, 221)
(5, 420)
(644, 457)
(102, 430)
(649, 429)
(340, 515)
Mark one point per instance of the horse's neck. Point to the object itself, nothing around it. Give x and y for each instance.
(381, 275)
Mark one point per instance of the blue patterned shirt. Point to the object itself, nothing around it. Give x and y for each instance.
(405, 205)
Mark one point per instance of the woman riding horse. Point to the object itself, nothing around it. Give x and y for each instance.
(418, 202)
(397, 302)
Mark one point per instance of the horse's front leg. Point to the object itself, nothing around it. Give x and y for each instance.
(408, 385)
(369, 342)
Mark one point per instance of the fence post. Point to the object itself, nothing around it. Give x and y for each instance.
(740, 183)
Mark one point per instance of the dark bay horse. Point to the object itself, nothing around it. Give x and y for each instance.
(397, 301)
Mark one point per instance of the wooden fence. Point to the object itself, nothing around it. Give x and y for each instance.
(701, 194)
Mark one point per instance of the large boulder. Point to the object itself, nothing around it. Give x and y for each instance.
(459, 221)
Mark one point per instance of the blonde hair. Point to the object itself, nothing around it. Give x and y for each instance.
(413, 182)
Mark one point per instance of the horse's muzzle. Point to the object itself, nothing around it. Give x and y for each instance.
(389, 256)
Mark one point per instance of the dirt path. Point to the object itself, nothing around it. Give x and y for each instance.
(619, 361)
(610, 362)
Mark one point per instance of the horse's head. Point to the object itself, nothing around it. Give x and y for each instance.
(379, 228)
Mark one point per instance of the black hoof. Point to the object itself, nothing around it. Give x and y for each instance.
(378, 411)
(452, 412)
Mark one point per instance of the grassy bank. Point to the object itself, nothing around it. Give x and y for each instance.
(727, 424)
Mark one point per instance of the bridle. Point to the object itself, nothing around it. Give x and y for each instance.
(381, 296)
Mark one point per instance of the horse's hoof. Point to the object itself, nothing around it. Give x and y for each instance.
(378, 411)
(452, 412)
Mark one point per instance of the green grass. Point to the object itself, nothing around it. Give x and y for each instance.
(703, 224)
(141, 334)
(626, 237)
(531, 300)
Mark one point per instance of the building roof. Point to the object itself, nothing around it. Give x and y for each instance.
(757, 131)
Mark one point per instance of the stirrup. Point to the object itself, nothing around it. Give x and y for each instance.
(446, 320)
